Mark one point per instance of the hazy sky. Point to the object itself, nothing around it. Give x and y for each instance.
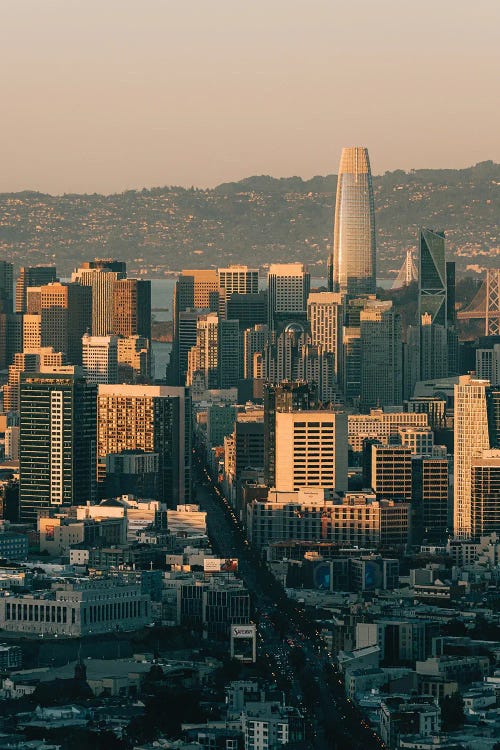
(105, 95)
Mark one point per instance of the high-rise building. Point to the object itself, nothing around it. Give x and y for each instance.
(101, 277)
(65, 315)
(316, 365)
(238, 279)
(311, 450)
(248, 309)
(155, 419)
(381, 355)
(57, 447)
(391, 471)
(32, 276)
(471, 439)
(381, 426)
(6, 287)
(325, 315)
(195, 291)
(229, 354)
(282, 397)
(27, 361)
(354, 234)
(132, 308)
(430, 504)
(203, 358)
(254, 342)
(100, 358)
(11, 337)
(184, 340)
(134, 359)
(488, 364)
(485, 494)
(288, 287)
(438, 343)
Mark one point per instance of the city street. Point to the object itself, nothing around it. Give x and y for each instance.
(333, 721)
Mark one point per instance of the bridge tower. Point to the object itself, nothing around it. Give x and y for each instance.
(493, 302)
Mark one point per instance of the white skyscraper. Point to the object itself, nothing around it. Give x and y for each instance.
(288, 290)
(100, 358)
(238, 280)
(325, 316)
(471, 439)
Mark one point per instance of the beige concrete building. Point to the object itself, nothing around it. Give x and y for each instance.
(381, 425)
(311, 450)
(76, 608)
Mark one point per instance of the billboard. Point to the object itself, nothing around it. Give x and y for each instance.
(243, 631)
(220, 565)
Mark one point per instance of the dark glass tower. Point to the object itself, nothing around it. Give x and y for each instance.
(354, 234)
(57, 444)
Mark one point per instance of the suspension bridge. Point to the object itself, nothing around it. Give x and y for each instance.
(486, 304)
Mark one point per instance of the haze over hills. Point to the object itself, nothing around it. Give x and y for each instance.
(256, 221)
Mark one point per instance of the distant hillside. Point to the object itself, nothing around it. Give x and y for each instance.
(257, 221)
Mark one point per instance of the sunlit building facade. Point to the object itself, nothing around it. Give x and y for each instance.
(354, 233)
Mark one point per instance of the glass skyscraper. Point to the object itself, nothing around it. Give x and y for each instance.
(354, 234)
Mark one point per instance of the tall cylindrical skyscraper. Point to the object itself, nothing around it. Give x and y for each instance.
(354, 234)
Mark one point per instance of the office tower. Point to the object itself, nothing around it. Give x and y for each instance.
(196, 288)
(28, 362)
(134, 359)
(434, 407)
(488, 364)
(485, 494)
(349, 360)
(100, 358)
(311, 450)
(381, 426)
(381, 355)
(493, 412)
(451, 321)
(325, 312)
(184, 341)
(316, 365)
(32, 331)
(32, 276)
(288, 286)
(6, 287)
(238, 280)
(132, 473)
(132, 308)
(438, 346)
(354, 234)
(108, 264)
(195, 291)
(282, 397)
(57, 440)
(203, 358)
(254, 342)
(155, 419)
(248, 309)
(11, 337)
(229, 354)
(430, 516)
(65, 315)
(471, 439)
(420, 440)
(101, 277)
(221, 419)
(391, 472)
(433, 349)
